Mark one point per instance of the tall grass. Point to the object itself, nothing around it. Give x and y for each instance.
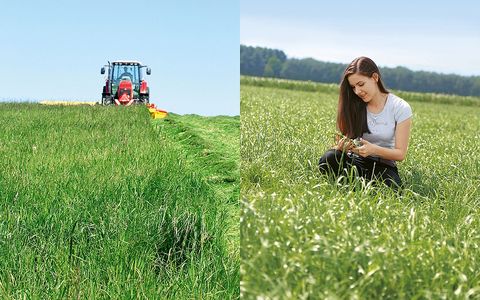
(308, 236)
(94, 203)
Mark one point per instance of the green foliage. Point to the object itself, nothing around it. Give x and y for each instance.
(309, 236)
(273, 67)
(96, 203)
(253, 62)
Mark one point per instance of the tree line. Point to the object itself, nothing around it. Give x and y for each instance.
(265, 62)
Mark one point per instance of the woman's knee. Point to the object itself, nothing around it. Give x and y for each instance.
(330, 160)
(392, 179)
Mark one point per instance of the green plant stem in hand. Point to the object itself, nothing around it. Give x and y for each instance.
(344, 143)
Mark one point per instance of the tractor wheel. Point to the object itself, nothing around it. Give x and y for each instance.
(107, 100)
(144, 99)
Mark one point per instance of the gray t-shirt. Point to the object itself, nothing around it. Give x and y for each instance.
(382, 125)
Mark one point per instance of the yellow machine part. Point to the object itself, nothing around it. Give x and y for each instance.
(50, 102)
(158, 114)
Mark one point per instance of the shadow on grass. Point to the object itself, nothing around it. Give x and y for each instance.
(421, 184)
(185, 223)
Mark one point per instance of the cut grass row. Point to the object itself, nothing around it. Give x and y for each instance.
(211, 147)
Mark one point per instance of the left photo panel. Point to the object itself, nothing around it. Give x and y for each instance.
(120, 150)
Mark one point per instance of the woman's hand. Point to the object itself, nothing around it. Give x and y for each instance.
(366, 149)
(344, 144)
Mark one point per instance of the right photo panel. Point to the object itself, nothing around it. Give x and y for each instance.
(359, 150)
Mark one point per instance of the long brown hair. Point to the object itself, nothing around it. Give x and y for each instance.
(352, 110)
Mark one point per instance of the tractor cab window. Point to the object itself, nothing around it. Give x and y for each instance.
(126, 72)
(142, 74)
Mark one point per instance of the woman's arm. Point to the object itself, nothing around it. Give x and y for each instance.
(402, 135)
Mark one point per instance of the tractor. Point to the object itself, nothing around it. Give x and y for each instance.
(125, 83)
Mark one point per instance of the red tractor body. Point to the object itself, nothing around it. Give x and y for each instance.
(125, 93)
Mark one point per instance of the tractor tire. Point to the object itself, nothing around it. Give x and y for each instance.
(145, 99)
(107, 100)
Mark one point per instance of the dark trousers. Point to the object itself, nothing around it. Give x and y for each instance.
(335, 161)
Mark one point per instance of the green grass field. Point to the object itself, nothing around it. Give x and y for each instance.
(103, 202)
(304, 236)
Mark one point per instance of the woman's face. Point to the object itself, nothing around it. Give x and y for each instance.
(365, 87)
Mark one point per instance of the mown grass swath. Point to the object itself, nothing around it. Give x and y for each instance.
(305, 235)
(211, 145)
(95, 202)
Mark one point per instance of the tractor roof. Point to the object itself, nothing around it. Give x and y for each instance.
(126, 62)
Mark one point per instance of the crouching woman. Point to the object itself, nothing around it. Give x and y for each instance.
(378, 119)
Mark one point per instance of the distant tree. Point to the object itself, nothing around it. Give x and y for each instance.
(273, 67)
(311, 69)
(475, 86)
(253, 61)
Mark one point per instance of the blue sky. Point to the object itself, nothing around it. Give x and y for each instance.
(55, 49)
(439, 36)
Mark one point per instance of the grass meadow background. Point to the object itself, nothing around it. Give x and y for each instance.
(303, 236)
(104, 202)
